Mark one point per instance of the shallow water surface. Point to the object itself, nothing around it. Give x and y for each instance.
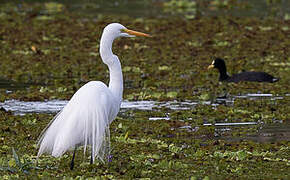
(23, 107)
(53, 106)
(258, 130)
(187, 129)
(157, 9)
(11, 85)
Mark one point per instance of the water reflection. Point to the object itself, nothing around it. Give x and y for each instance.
(253, 131)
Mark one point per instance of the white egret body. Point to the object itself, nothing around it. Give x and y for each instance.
(85, 120)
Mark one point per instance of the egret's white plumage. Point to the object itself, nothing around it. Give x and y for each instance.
(85, 120)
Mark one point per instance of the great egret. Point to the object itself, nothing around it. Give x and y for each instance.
(85, 120)
(244, 76)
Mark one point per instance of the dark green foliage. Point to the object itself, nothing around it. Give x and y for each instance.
(49, 55)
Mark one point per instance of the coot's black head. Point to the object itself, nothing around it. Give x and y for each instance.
(219, 64)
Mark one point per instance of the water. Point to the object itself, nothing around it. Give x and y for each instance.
(22, 107)
(156, 9)
(263, 133)
(255, 96)
(230, 124)
(53, 106)
(10, 85)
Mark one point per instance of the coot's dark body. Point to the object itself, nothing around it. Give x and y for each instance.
(244, 76)
(251, 76)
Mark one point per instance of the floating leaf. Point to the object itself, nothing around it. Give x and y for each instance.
(164, 68)
(53, 7)
(172, 94)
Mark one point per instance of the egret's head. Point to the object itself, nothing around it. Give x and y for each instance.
(118, 30)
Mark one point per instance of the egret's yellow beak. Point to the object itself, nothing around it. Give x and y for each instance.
(135, 33)
(210, 66)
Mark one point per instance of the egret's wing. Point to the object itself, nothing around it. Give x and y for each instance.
(83, 121)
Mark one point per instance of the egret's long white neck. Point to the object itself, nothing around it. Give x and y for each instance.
(112, 61)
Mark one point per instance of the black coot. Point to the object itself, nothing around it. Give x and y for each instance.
(244, 76)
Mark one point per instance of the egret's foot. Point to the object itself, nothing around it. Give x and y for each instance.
(72, 164)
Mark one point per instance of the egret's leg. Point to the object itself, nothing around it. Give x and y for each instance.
(73, 158)
(92, 161)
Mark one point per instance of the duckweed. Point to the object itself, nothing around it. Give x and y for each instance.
(48, 52)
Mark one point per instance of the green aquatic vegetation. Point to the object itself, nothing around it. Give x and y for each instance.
(51, 38)
(220, 3)
(287, 17)
(150, 146)
(204, 97)
(135, 74)
(232, 156)
(249, 28)
(56, 52)
(244, 155)
(53, 7)
(172, 94)
(266, 28)
(164, 68)
(281, 64)
(44, 18)
(17, 164)
(184, 7)
(131, 69)
(195, 44)
(180, 6)
(222, 43)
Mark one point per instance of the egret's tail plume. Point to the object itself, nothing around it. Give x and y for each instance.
(61, 135)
